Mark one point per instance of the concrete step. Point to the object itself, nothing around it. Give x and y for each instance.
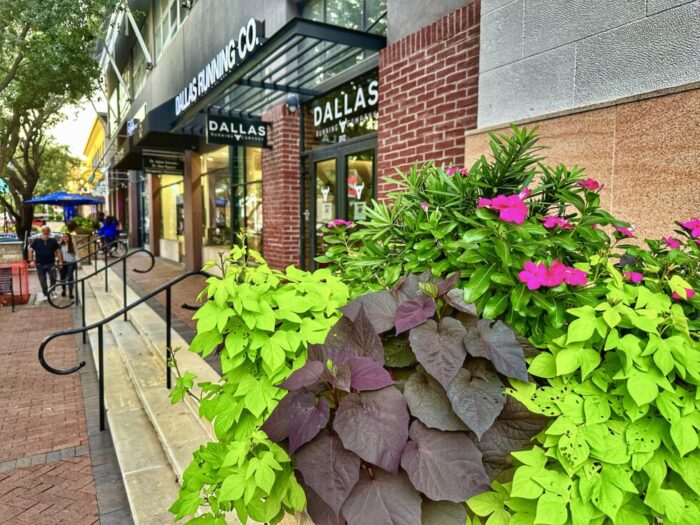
(150, 482)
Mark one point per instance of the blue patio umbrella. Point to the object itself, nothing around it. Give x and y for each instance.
(61, 198)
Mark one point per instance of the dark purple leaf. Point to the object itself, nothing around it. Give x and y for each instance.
(329, 469)
(409, 287)
(496, 342)
(367, 374)
(413, 313)
(380, 308)
(477, 399)
(443, 513)
(428, 402)
(387, 499)
(398, 353)
(306, 376)
(455, 298)
(319, 511)
(276, 426)
(448, 284)
(443, 465)
(306, 418)
(353, 337)
(440, 348)
(512, 430)
(339, 377)
(374, 425)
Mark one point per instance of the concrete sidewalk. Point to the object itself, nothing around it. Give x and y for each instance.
(51, 454)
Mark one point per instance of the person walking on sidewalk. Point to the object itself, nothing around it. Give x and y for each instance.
(43, 253)
(70, 264)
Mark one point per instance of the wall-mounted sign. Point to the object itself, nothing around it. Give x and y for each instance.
(163, 165)
(250, 37)
(345, 112)
(236, 131)
(131, 126)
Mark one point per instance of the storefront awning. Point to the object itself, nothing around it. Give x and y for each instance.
(299, 58)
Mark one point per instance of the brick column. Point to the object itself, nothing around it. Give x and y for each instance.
(154, 215)
(193, 211)
(428, 90)
(281, 180)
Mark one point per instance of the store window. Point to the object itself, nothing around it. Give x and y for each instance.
(216, 194)
(364, 15)
(172, 212)
(247, 195)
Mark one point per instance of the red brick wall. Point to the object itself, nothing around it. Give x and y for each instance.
(428, 90)
(281, 189)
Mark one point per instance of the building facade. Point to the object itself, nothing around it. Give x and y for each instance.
(266, 120)
(270, 119)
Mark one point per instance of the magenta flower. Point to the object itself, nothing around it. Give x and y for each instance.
(634, 277)
(525, 193)
(694, 226)
(625, 232)
(589, 184)
(511, 208)
(425, 206)
(689, 294)
(671, 242)
(534, 275)
(556, 222)
(339, 222)
(451, 170)
(464, 171)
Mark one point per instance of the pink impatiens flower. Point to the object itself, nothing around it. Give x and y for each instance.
(451, 170)
(671, 242)
(339, 222)
(694, 226)
(625, 232)
(556, 222)
(534, 275)
(425, 206)
(464, 172)
(511, 208)
(589, 184)
(634, 277)
(689, 294)
(525, 193)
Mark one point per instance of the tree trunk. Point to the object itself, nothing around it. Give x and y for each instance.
(23, 223)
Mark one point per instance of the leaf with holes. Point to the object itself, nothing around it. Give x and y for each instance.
(477, 400)
(386, 499)
(440, 348)
(413, 313)
(443, 465)
(380, 308)
(307, 417)
(428, 402)
(496, 342)
(329, 469)
(374, 425)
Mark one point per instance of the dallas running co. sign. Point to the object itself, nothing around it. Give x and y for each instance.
(236, 132)
(250, 37)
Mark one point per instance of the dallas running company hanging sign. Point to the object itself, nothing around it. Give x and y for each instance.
(348, 111)
(250, 37)
(236, 131)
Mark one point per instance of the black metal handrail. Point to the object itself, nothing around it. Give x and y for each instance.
(86, 241)
(100, 337)
(104, 269)
(102, 249)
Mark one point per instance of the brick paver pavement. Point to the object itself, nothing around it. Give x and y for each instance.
(46, 473)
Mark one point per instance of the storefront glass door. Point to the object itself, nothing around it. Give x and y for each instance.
(342, 183)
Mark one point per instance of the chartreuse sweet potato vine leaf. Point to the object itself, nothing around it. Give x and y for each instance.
(622, 394)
